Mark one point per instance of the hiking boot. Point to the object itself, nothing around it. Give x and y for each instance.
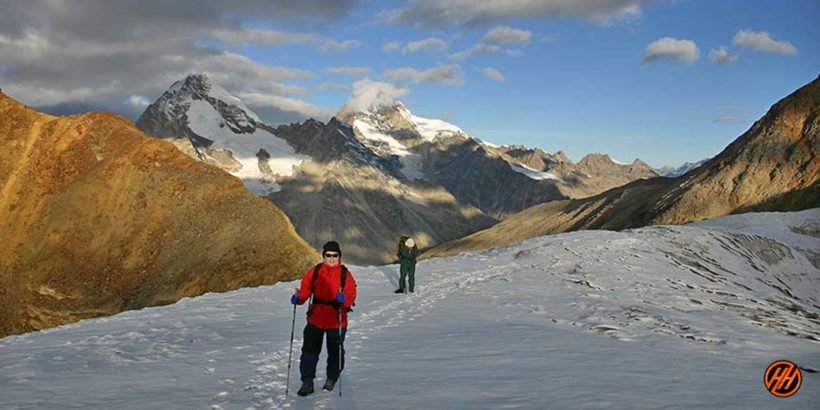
(399, 291)
(307, 388)
(329, 385)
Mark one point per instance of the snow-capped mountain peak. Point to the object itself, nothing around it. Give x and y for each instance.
(399, 117)
(218, 128)
(393, 130)
(671, 171)
(200, 87)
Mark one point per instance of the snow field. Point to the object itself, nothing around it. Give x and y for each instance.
(672, 317)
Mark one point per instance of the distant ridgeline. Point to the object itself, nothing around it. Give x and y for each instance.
(771, 167)
(375, 174)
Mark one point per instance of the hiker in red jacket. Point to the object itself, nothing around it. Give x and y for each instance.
(333, 292)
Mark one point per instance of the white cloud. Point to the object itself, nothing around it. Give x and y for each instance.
(349, 71)
(722, 56)
(668, 48)
(445, 74)
(339, 46)
(368, 93)
(428, 44)
(137, 102)
(103, 53)
(242, 36)
(447, 13)
(241, 74)
(481, 49)
(431, 44)
(391, 46)
(761, 41)
(492, 43)
(493, 74)
(303, 108)
(507, 35)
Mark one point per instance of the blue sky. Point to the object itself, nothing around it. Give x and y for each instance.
(629, 78)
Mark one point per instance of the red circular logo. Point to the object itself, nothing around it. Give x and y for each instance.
(782, 378)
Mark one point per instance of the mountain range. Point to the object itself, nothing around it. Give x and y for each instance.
(364, 178)
(99, 217)
(771, 167)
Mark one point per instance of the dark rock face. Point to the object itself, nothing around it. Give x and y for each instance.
(434, 181)
(168, 116)
(345, 192)
(595, 173)
(482, 179)
(360, 199)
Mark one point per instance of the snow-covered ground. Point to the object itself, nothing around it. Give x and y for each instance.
(659, 317)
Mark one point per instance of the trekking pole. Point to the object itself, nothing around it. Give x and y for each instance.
(290, 351)
(340, 351)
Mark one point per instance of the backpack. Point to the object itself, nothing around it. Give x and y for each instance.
(322, 301)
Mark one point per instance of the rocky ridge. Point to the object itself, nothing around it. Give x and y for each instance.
(98, 218)
(771, 167)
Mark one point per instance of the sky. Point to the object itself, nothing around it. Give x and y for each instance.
(666, 81)
(583, 320)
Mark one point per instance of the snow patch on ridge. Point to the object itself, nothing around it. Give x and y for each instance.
(385, 145)
(533, 173)
(430, 129)
(206, 122)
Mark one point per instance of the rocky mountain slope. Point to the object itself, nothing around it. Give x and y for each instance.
(771, 167)
(593, 174)
(497, 180)
(97, 218)
(366, 178)
(212, 125)
(330, 184)
(350, 194)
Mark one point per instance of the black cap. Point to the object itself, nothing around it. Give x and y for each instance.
(332, 246)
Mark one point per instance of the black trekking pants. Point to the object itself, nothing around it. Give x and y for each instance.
(407, 270)
(312, 346)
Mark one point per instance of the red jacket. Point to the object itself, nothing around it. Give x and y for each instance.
(327, 286)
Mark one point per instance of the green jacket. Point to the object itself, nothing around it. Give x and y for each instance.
(408, 256)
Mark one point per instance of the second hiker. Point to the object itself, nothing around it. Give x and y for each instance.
(407, 265)
(332, 291)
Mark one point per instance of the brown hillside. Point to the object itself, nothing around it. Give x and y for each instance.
(97, 218)
(771, 167)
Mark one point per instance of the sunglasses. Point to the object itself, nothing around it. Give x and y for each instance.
(331, 255)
